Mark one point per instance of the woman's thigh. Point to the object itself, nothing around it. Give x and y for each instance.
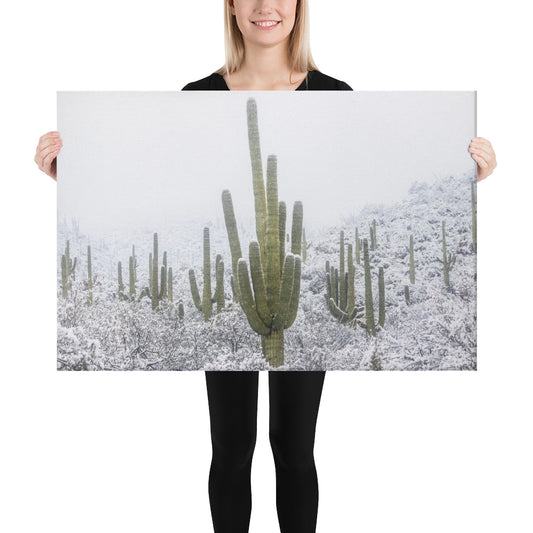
(232, 398)
(294, 403)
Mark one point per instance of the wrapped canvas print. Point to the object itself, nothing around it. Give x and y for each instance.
(268, 230)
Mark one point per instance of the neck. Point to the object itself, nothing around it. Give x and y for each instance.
(263, 66)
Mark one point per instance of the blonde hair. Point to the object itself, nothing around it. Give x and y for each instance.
(300, 57)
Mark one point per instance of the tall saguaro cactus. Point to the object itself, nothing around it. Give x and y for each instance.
(154, 284)
(89, 276)
(448, 259)
(205, 305)
(120, 293)
(411, 251)
(67, 270)
(370, 324)
(270, 302)
(373, 235)
(357, 247)
(132, 276)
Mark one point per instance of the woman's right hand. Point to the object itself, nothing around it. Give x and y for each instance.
(46, 153)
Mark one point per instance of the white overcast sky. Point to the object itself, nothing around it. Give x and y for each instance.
(149, 159)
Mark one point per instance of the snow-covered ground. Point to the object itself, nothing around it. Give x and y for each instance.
(437, 331)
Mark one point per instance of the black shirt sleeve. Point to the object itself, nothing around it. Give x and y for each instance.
(343, 86)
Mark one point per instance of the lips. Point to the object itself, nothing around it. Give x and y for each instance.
(256, 23)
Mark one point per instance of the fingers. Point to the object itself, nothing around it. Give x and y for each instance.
(44, 156)
(481, 140)
(50, 134)
(480, 161)
(483, 154)
(47, 159)
(482, 145)
(47, 143)
(46, 152)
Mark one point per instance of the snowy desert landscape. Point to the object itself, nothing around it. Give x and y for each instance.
(435, 331)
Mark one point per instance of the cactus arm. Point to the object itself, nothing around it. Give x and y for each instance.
(369, 304)
(381, 290)
(219, 291)
(194, 290)
(328, 285)
(339, 314)
(297, 222)
(247, 300)
(287, 282)
(233, 288)
(163, 289)
(164, 275)
(350, 298)
(282, 223)
(336, 285)
(258, 282)
(295, 296)
(342, 279)
(233, 237)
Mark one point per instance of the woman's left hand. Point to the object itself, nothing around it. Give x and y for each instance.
(484, 156)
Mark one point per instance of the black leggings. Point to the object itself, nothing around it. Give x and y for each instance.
(294, 401)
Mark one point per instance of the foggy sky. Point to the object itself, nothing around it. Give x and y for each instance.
(154, 159)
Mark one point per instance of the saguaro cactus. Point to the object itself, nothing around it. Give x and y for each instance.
(271, 306)
(304, 246)
(155, 292)
(154, 286)
(170, 290)
(163, 291)
(340, 295)
(410, 250)
(89, 276)
(369, 323)
(120, 283)
(373, 236)
(132, 276)
(67, 271)
(205, 305)
(448, 259)
(357, 247)
(134, 262)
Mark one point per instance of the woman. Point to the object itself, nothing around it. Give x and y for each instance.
(267, 48)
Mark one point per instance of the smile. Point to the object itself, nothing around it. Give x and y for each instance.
(267, 25)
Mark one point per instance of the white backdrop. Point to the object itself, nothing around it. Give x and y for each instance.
(402, 452)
